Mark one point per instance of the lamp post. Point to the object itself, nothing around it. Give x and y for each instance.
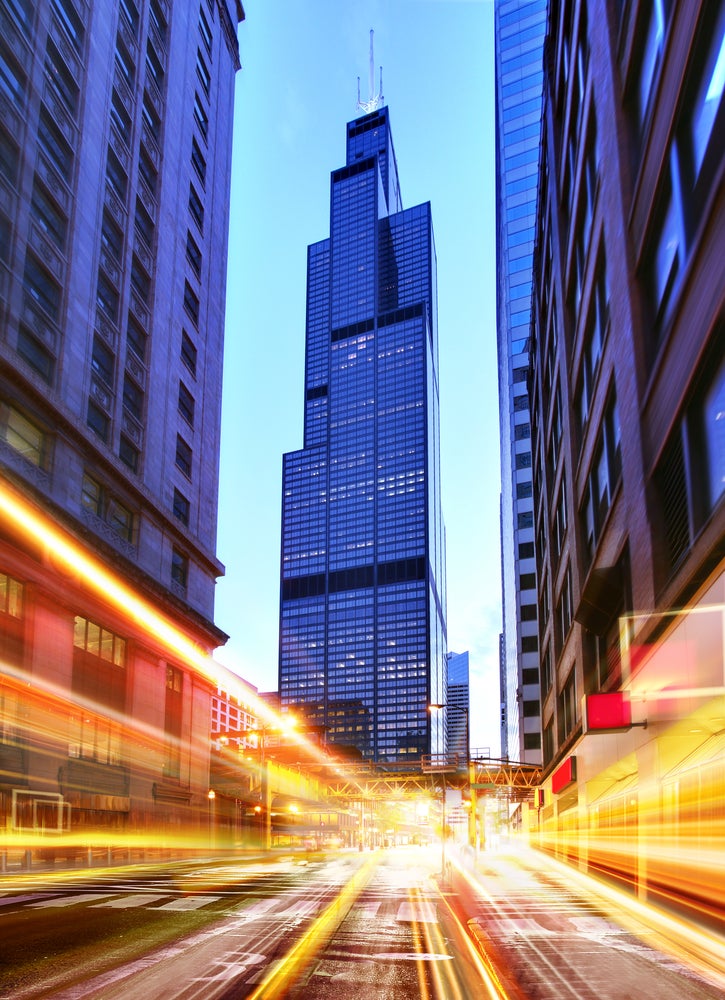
(454, 708)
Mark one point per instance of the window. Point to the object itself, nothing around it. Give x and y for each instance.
(140, 281)
(116, 175)
(107, 297)
(196, 208)
(120, 117)
(97, 420)
(523, 491)
(546, 671)
(201, 117)
(100, 502)
(111, 238)
(179, 568)
(530, 644)
(154, 69)
(603, 477)
(567, 707)
(526, 550)
(183, 455)
(48, 216)
(54, 145)
(41, 288)
(99, 664)
(11, 596)
(132, 398)
(667, 250)
(202, 72)
(173, 721)
(125, 63)
(60, 79)
(102, 361)
(22, 435)
(128, 453)
(558, 532)
(564, 608)
(188, 353)
(147, 171)
(72, 24)
(522, 431)
(136, 339)
(181, 507)
(193, 254)
(191, 302)
(198, 161)
(12, 79)
(157, 20)
(22, 11)
(9, 156)
(36, 354)
(523, 460)
(150, 117)
(714, 433)
(186, 404)
(594, 333)
(521, 403)
(130, 14)
(525, 520)
(708, 101)
(204, 29)
(651, 47)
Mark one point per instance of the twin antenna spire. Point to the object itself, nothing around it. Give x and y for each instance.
(375, 101)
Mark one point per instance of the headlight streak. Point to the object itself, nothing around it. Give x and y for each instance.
(68, 553)
(303, 952)
(479, 957)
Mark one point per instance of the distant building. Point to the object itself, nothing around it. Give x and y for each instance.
(363, 597)
(628, 387)
(115, 159)
(520, 27)
(458, 705)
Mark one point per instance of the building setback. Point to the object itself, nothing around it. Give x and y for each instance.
(115, 159)
(628, 387)
(520, 26)
(363, 592)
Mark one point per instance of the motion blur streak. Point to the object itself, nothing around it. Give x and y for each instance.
(110, 588)
(691, 943)
(481, 961)
(275, 985)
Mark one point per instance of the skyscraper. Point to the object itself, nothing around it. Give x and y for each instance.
(115, 160)
(458, 705)
(519, 30)
(363, 592)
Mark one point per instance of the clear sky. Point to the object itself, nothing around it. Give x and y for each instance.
(294, 95)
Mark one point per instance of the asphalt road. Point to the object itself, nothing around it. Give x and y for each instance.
(378, 926)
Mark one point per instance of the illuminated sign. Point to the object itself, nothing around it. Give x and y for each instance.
(607, 713)
(564, 775)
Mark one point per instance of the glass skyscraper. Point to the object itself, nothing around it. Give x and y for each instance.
(520, 26)
(363, 589)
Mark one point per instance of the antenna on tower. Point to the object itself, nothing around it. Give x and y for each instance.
(374, 101)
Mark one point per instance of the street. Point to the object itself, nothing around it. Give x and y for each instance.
(510, 923)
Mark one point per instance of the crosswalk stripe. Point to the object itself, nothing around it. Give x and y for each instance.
(188, 903)
(81, 897)
(127, 902)
(419, 913)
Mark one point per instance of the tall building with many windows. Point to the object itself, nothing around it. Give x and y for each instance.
(363, 591)
(520, 26)
(628, 404)
(115, 160)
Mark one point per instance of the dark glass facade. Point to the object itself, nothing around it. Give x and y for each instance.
(363, 593)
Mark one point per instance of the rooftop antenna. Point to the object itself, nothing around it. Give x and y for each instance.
(375, 101)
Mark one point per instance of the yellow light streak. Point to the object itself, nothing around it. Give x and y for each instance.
(303, 952)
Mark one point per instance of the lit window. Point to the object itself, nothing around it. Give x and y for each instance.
(709, 96)
(22, 435)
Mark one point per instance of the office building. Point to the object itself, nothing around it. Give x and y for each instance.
(363, 593)
(115, 140)
(628, 383)
(458, 706)
(519, 35)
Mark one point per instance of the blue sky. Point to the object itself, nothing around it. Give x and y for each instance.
(295, 94)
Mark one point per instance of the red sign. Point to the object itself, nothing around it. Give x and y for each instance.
(564, 775)
(607, 713)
